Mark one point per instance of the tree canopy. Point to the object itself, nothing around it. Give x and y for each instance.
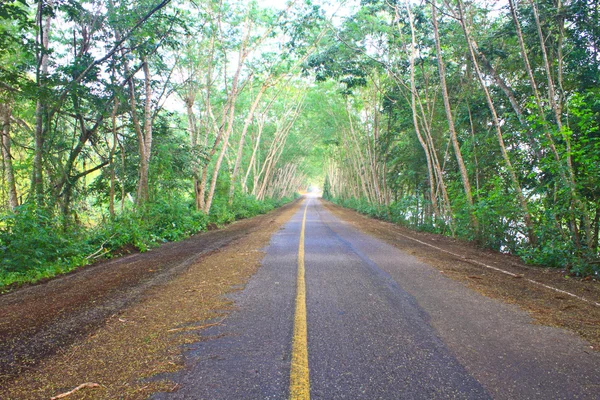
(133, 122)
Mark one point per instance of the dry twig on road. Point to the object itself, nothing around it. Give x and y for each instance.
(70, 392)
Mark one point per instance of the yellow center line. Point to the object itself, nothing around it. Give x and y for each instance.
(299, 375)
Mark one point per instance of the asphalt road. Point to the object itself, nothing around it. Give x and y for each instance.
(381, 325)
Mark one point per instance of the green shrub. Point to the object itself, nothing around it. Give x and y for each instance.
(30, 239)
(34, 246)
(496, 214)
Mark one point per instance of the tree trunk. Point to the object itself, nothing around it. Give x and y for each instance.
(449, 117)
(252, 164)
(511, 98)
(41, 122)
(113, 148)
(143, 189)
(5, 117)
(193, 133)
(143, 133)
(413, 106)
(240, 151)
(594, 248)
(496, 121)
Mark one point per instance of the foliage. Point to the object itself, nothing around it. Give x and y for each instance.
(493, 137)
(129, 123)
(34, 246)
(121, 124)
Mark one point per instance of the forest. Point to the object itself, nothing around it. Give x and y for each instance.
(126, 124)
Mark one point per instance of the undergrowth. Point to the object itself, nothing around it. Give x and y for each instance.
(552, 251)
(34, 246)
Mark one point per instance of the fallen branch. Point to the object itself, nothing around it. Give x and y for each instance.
(97, 254)
(83, 385)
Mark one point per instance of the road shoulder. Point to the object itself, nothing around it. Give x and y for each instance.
(545, 306)
(134, 348)
(496, 342)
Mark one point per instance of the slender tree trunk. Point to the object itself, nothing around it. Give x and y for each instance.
(509, 93)
(360, 162)
(143, 132)
(207, 122)
(551, 88)
(252, 163)
(5, 119)
(143, 189)
(569, 177)
(477, 185)
(113, 149)
(554, 99)
(269, 163)
(413, 106)
(277, 148)
(232, 98)
(122, 148)
(193, 133)
(496, 121)
(596, 228)
(240, 151)
(457, 152)
(41, 122)
(529, 70)
(213, 182)
(226, 128)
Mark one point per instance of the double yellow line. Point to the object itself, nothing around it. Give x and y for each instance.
(299, 375)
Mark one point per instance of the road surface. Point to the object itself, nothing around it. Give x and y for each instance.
(372, 322)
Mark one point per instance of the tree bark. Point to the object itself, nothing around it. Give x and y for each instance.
(41, 122)
(496, 122)
(113, 149)
(226, 127)
(413, 106)
(240, 151)
(252, 163)
(457, 152)
(143, 132)
(5, 119)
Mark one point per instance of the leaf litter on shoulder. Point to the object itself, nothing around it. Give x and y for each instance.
(145, 340)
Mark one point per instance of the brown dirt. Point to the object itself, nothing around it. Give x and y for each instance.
(545, 306)
(110, 323)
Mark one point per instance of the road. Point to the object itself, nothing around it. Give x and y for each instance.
(375, 323)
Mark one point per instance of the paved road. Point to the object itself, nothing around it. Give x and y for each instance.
(381, 325)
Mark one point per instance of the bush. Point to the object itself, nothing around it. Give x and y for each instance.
(497, 215)
(171, 221)
(161, 221)
(31, 238)
(34, 246)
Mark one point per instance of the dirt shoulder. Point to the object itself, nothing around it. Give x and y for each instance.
(111, 320)
(547, 307)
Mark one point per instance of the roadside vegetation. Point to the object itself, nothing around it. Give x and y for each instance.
(35, 246)
(126, 124)
(475, 119)
(129, 123)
